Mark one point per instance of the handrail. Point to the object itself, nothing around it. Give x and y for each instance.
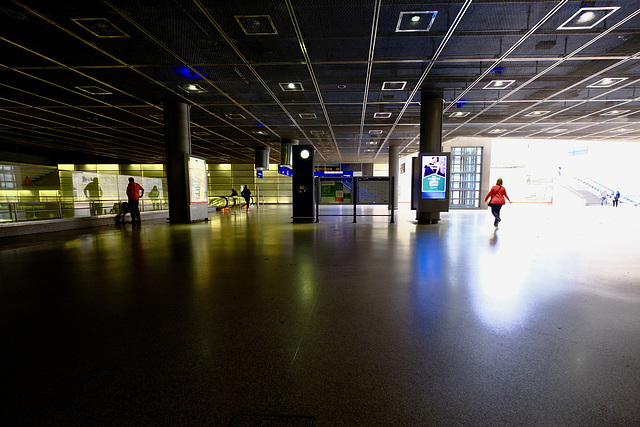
(224, 202)
(599, 187)
(30, 211)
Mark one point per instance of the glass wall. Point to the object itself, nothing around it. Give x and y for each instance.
(35, 188)
(466, 176)
(273, 187)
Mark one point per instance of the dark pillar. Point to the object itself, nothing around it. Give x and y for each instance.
(430, 140)
(303, 184)
(177, 141)
(367, 169)
(394, 170)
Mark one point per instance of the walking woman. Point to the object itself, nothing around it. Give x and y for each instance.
(498, 194)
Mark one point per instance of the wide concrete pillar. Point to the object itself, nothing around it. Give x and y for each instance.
(394, 170)
(177, 142)
(431, 104)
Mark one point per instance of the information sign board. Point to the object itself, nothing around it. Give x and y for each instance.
(373, 190)
(336, 190)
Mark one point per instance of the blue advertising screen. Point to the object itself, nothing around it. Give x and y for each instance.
(434, 177)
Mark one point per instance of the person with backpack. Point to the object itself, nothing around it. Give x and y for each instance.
(498, 194)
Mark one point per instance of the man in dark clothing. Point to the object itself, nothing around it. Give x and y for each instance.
(246, 193)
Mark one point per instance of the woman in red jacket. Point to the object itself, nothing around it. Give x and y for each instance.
(497, 194)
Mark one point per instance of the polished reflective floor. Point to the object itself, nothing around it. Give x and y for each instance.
(249, 319)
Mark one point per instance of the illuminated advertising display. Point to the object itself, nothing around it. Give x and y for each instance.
(434, 177)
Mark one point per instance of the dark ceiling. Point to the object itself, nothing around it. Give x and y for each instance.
(90, 76)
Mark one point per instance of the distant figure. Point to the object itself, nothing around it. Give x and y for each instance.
(246, 193)
(603, 198)
(498, 194)
(234, 197)
(134, 192)
(93, 192)
(616, 196)
(153, 195)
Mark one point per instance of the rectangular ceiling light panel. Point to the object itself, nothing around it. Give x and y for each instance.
(100, 27)
(499, 84)
(393, 85)
(381, 115)
(291, 87)
(614, 112)
(587, 17)
(607, 82)
(192, 88)
(415, 21)
(256, 25)
(537, 113)
(94, 90)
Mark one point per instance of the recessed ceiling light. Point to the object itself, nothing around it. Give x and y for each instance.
(261, 132)
(342, 86)
(100, 27)
(256, 25)
(375, 132)
(614, 112)
(373, 143)
(307, 115)
(587, 17)
(235, 116)
(192, 88)
(499, 84)
(537, 113)
(608, 82)
(291, 86)
(415, 21)
(381, 115)
(459, 114)
(317, 132)
(557, 130)
(393, 85)
(497, 131)
(94, 90)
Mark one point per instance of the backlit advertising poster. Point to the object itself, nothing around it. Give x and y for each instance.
(434, 177)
